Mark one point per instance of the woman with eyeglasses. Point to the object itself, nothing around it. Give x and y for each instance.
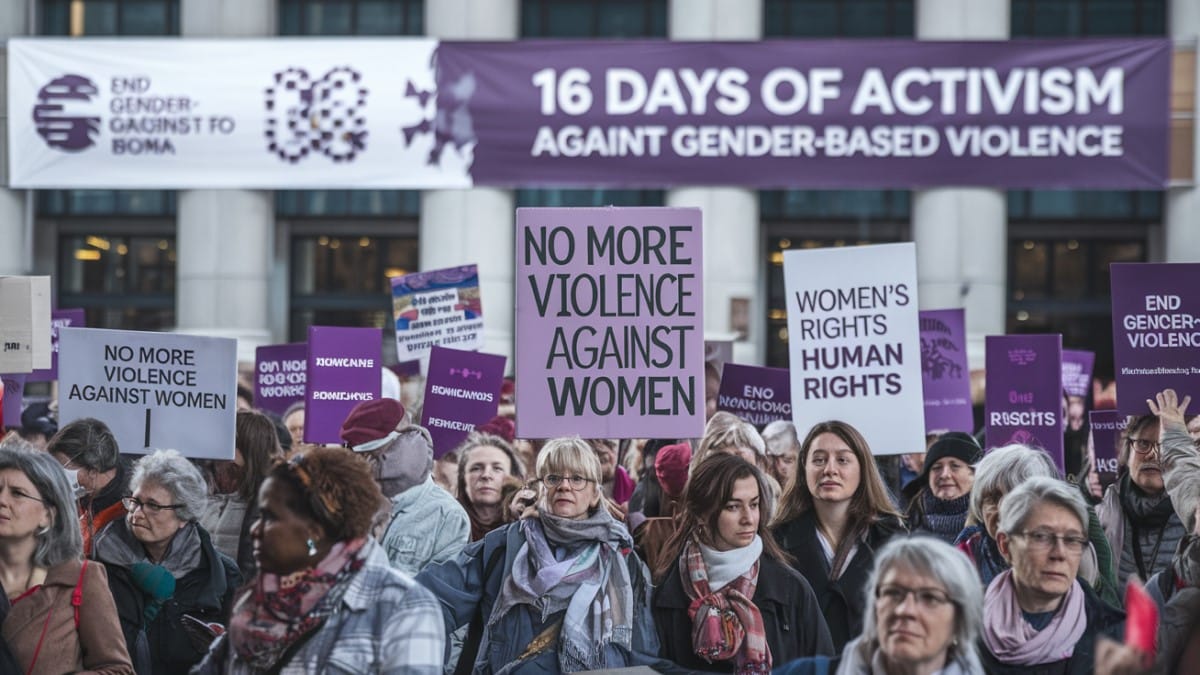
(923, 616)
(173, 589)
(727, 599)
(1038, 617)
(1138, 515)
(41, 571)
(558, 591)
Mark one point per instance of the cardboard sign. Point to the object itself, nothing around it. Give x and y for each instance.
(13, 393)
(154, 390)
(945, 375)
(441, 307)
(342, 371)
(1156, 331)
(1108, 430)
(609, 332)
(59, 319)
(853, 342)
(1024, 393)
(462, 391)
(280, 374)
(757, 395)
(24, 324)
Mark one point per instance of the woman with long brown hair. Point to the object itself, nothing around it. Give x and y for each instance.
(726, 598)
(833, 519)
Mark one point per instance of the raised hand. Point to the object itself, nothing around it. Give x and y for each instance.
(1168, 408)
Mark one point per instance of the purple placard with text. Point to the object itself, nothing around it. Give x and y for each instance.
(462, 391)
(14, 393)
(945, 376)
(59, 318)
(609, 325)
(757, 395)
(1077, 384)
(1108, 426)
(1156, 331)
(280, 373)
(812, 113)
(342, 371)
(1024, 392)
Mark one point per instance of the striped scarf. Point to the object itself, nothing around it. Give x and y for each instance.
(725, 624)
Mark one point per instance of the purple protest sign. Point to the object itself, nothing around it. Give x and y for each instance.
(1156, 331)
(1077, 383)
(342, 371)
(1024, 392)
(1108, 428)
(462, 391)
(14, 392)
(757, 395)
(609, 331)
(280, 373)
(945, 376)
(813, 114)
(59, 318)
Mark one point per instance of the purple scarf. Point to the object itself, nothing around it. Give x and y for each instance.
(1013, 641)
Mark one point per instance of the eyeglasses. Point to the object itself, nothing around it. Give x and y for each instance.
(1044, 541)
(927, 598)
(132, 504)
(553, 480)
(1143, 446)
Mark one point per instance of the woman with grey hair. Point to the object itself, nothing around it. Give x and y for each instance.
(783, 450)
(167, 578)
(1037, 615)
(40, 568)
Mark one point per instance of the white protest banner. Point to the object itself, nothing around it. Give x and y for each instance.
(854, 342)
(437, 308)
(154, 390)
(24, 324)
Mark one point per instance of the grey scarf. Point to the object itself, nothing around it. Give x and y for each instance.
(116, 545)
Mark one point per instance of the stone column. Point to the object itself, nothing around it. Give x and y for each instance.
(14, 258)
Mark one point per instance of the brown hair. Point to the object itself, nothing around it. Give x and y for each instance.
(258, 442)
(870, 501)
(706, 493)
(332, 487)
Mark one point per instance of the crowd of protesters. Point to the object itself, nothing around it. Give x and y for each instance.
(789, 550)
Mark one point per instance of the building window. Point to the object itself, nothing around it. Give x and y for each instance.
(1088, 18)
(362, 203)
(590, 198)
(109, 17)
(121, 281)
(593, 18)
(343, 280)
(351, 17)
(1085, 205)
(838, 18)
(846, 205)
(106, 203)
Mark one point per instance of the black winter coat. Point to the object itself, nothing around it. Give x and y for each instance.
(842, 601)
(791, 618)
(1102, 619)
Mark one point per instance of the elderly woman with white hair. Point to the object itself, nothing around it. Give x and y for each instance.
(1037, 615)
(924, 615)
(166, 577)
(783, 450)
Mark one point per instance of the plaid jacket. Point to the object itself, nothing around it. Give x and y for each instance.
(386, 624)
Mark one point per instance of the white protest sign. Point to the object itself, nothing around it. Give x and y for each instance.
(24, 324)
(854, 342)
(154, 390)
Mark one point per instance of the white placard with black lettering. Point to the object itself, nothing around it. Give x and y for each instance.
(854, 342)
(154, 390)
(24, 324)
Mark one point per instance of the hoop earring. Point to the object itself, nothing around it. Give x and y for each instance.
(312, 548)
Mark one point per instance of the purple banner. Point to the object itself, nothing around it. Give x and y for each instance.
(462, 391)
(945, 376)
(1077, 384)
(609, 332)
(1156, 331)
(1108, 427)
(342, 371)
(813, 114)
(59, 318)
(757, 395)
(1024, 392)
(280, 373)
(14, 393)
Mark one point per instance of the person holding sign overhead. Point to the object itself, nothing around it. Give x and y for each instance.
(727, 599)
(834, 520)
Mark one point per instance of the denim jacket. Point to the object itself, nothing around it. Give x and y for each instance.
(428, 525)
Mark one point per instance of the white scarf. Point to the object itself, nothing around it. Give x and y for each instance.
(725, 566)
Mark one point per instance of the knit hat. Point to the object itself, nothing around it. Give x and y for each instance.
(671, 468)
(499, 426)
(372, 421)
(956, 444)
